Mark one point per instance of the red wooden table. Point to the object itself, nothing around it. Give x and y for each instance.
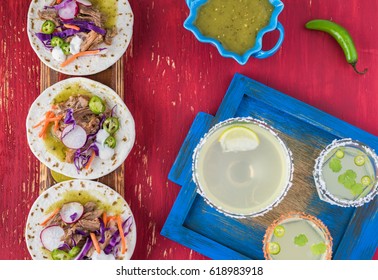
(169, 77)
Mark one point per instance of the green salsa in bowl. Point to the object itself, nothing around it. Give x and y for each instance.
(236, 27)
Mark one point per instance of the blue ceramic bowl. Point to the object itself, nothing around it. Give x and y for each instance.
(256, 51)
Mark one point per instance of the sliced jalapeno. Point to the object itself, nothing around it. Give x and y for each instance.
(111, 142)
(96, 105)
(111, 125)
(48, 27)
(57, 41)
(66, 48)
(74, 251)
(57, 254)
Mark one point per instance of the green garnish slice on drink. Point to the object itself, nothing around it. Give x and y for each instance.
(365, 181)
(279, 231)
(274, 248)
(339, 154)
(359, 160)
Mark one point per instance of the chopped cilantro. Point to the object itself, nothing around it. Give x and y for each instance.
(357, 189)
(319, 249)
(335, 165)
(300, 240)
(348, 179)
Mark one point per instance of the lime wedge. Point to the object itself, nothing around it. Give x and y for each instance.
(339, 154)
(274, 248)
(365, 181)
(359, 160)
(279, 231)
(239, 138)
(58, 177)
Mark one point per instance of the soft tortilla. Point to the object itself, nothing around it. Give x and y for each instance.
(101, 192)
(125, 136)
(85, 65)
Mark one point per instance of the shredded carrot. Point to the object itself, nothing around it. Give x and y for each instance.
(52, 215)
(121, 234)
(72, 26)
(104, 218)
(58, 1)
(54, 106)
(73, 57)
(95, 242)
(49, 117)
(90, 160)
(111, 218)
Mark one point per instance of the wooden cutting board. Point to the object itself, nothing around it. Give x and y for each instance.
(112, 77)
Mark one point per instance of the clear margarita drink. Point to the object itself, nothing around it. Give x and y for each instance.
(297, 236)
(242, 168)
(346, 173)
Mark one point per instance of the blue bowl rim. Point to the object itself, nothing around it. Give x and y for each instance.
(242, 59)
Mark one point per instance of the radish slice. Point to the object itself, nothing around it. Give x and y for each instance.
(69, 11)
(71, 212)
(51, 237)
(84, 2)
(74, 137)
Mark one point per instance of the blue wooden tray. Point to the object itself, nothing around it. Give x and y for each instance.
(306, 131)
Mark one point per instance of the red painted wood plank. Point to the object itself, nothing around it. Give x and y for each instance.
(169, 77)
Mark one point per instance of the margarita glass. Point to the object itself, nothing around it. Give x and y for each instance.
(297, 236)
(242, 168)
(346, 173)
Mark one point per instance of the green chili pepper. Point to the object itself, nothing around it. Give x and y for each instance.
(96, 105)
(57, 254)
(111, 125)
(57, 41)
(342, 37)
(74, 251)
(66, 48)
(48, 27)
(111, 142)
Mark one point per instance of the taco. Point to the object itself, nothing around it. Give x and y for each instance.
(80, 128)
(80, 220)
(79, 37)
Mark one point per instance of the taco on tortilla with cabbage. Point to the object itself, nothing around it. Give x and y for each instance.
(80, 220)
(80, 128)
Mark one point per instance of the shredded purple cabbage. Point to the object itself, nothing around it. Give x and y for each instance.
(81, 232)
(73, 241)
(87, 246)
(69, 118)
(112, 112)
(102, 231)
(64, 247)
(60, 5)
(87, 25)
(115, 239)
(81, 158)
(66, 33)
(73, 217)
(45, 39)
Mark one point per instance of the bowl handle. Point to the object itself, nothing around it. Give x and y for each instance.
(264, 54)
(189, 2)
